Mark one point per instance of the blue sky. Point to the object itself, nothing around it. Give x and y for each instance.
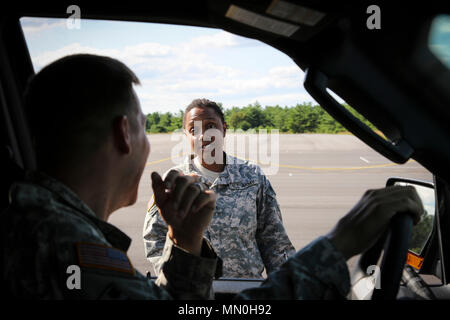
(176, 64)
(439, 39)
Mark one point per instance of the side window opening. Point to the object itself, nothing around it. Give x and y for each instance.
(317, 169)
(439, 38)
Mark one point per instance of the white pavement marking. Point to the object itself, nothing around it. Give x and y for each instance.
(364, 159)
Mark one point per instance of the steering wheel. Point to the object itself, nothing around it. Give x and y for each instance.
(395, 243)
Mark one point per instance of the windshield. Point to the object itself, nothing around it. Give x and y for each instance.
(312, 168)
(439, 38)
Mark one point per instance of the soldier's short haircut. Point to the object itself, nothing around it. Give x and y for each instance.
(203, 103)
(71, 104)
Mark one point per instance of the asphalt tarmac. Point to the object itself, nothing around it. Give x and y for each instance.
(318, 179)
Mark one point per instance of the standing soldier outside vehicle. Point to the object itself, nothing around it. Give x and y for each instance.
(247, 230)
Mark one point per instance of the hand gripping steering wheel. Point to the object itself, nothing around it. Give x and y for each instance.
(395, 243)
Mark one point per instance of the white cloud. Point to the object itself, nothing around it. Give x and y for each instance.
(147, 49)
(47, 57)
(33, 25)
(130, 55)
(174, 75)
(159, 100)
(218, 40)
(285, 71)
(226, 81)
(289, 99)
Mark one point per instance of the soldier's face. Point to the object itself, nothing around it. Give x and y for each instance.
(205, 132)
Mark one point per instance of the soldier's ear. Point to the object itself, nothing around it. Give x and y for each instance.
(121, 134)
(225, 129)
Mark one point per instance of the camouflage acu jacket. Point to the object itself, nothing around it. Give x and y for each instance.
(47, 229)
(246, 231)
(317, 272)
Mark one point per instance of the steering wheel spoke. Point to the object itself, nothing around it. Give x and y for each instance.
(395, 244)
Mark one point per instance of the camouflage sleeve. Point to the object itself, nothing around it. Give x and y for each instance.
(186, 276)
(67, 247)
(155, 230)
(271, 237)
(319, 271)
(183, 276)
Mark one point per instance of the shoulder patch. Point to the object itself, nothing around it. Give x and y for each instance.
(94, 255)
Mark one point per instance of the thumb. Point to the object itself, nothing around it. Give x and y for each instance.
(158, 189)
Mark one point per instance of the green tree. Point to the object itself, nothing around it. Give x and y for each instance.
(165, 119)
(302, 119)
(152, 120)
(421, 232)
(254, 115)
(236, 118)
(176, 121)
(360, 117)
(157, 128)
(327, 124)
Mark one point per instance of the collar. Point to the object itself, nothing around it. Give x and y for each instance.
(234, 172)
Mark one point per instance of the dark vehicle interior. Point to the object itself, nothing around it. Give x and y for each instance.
(389, 75)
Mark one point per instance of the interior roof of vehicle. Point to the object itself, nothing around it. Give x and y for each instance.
(401, 97)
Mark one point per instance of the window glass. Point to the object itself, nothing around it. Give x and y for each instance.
(439, 38)
(317, 169)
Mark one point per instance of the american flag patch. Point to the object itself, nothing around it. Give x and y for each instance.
(95, 255)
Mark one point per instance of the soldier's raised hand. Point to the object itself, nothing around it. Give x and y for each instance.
(185, 207)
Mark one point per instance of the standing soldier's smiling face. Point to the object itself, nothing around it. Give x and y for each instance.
(205, 132)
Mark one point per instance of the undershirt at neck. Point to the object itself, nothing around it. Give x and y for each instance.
(211, 176)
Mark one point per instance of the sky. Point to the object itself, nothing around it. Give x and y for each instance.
(176, 64)
(439, 38)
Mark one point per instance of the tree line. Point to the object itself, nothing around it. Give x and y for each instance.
(302, 118)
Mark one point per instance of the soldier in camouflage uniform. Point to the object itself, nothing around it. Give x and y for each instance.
(48, 228)
(57, 220)
(247, 230)
(56, 242)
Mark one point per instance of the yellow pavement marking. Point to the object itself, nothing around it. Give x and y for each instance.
(331, 168)
(158, 161)
(300, 167)
(339, 168)
(165, 159)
